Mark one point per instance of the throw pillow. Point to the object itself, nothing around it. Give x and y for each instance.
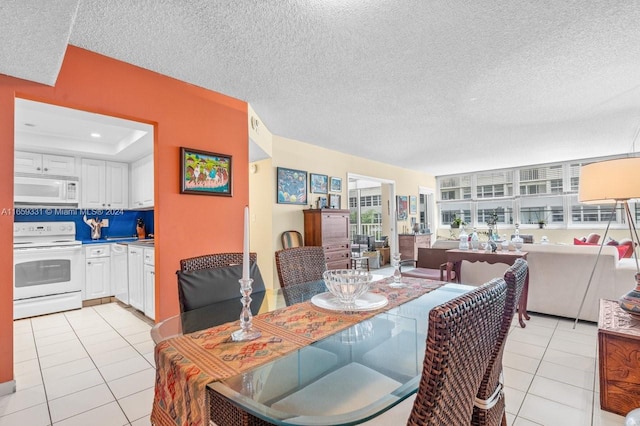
(622, 251)
(611, 242)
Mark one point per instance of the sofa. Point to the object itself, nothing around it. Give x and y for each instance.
(559, 275)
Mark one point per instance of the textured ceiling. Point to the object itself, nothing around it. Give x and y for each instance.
(440, 87)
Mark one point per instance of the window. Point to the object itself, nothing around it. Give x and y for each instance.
(455, 188)
(353, 202)
(527, 195)
(370, 201)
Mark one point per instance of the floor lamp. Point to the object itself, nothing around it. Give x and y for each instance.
(613, 182)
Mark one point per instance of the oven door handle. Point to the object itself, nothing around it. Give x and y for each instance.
(47, 249)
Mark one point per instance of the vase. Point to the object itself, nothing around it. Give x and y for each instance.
(464, 240)
(630, 302)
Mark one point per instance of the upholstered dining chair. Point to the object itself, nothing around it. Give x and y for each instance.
(461, 337)
(291, 239)
(211, 278)
(300, 265)
(489, 407)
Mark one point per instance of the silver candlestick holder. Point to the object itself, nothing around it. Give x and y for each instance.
(247, 331)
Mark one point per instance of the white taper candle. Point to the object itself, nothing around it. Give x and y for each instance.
(245, 248)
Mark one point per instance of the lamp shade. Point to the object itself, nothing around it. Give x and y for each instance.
(609, 181)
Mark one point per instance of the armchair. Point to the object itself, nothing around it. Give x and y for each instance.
(430, 264)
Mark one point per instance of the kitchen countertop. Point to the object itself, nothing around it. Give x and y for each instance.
(126, 240)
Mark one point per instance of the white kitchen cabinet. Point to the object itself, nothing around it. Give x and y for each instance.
(136, 276)
(97, 271)
(105, 184)
(120, 272)
(149, 283)
(46, 164)
(142, 183)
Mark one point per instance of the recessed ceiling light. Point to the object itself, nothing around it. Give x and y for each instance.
(96, 135)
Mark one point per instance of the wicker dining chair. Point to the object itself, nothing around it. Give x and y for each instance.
(211, 278)
(461, 336)
(300, 265)
(216, 260)
(489, 408)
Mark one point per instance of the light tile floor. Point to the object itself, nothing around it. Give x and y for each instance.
(95, 366)
(92, 366)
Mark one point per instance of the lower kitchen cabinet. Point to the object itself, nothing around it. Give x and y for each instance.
(97, 272)
(149, 283)
(120, 272)
(135, 266)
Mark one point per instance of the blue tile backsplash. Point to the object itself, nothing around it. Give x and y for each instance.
(122, 223)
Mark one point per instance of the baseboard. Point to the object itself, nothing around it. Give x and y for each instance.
(7, 387)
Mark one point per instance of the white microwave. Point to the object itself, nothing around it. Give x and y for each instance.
(45, 191)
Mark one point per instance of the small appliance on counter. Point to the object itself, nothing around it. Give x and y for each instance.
(140, 229)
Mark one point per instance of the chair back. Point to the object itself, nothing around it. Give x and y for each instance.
(212, 278)
(217, 260)
(461, 336)
(300, 265)
(490, 405)
(431, 258)
(291, 239)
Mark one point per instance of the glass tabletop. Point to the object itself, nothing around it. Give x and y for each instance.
(229, 310)
(346, 378)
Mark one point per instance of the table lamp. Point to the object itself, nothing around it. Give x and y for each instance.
(614, 182)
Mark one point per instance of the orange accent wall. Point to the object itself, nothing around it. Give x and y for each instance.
(183, 115)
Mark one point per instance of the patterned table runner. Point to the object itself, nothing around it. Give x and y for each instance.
(186, 364)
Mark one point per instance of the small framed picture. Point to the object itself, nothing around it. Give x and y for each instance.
(205, 173)
(334, 201)
(402, 207)
(321, 202)
(318, 183)
(292, 186)
(335, 184)
(413, 204)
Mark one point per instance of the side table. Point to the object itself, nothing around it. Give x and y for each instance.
(454, 263)
(618, 358)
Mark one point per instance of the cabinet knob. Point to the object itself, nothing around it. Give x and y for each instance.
(46, 170)
(38, 168)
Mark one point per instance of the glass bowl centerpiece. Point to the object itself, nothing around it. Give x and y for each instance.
(346, 285)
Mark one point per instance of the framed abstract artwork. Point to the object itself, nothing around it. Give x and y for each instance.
(413, 204)
(319, 183)
(334, 201)
(292, 186)
(335, 184)
(402, 202)
(205, 173)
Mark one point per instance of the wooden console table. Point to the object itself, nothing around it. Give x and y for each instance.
(619, 358)
(454, 263)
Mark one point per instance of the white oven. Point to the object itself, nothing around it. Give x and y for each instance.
(47, 268)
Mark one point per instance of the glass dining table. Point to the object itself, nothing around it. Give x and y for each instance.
(343, 379)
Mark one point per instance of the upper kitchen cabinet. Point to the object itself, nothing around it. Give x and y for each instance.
(46, 164)
(104, 184)
(142, 183)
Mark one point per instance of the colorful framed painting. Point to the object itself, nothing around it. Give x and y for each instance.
(402, 202)
(205, 173)
(319, 183)
(413, 204)
(335, 184)
(292, 186)
(334, 201)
